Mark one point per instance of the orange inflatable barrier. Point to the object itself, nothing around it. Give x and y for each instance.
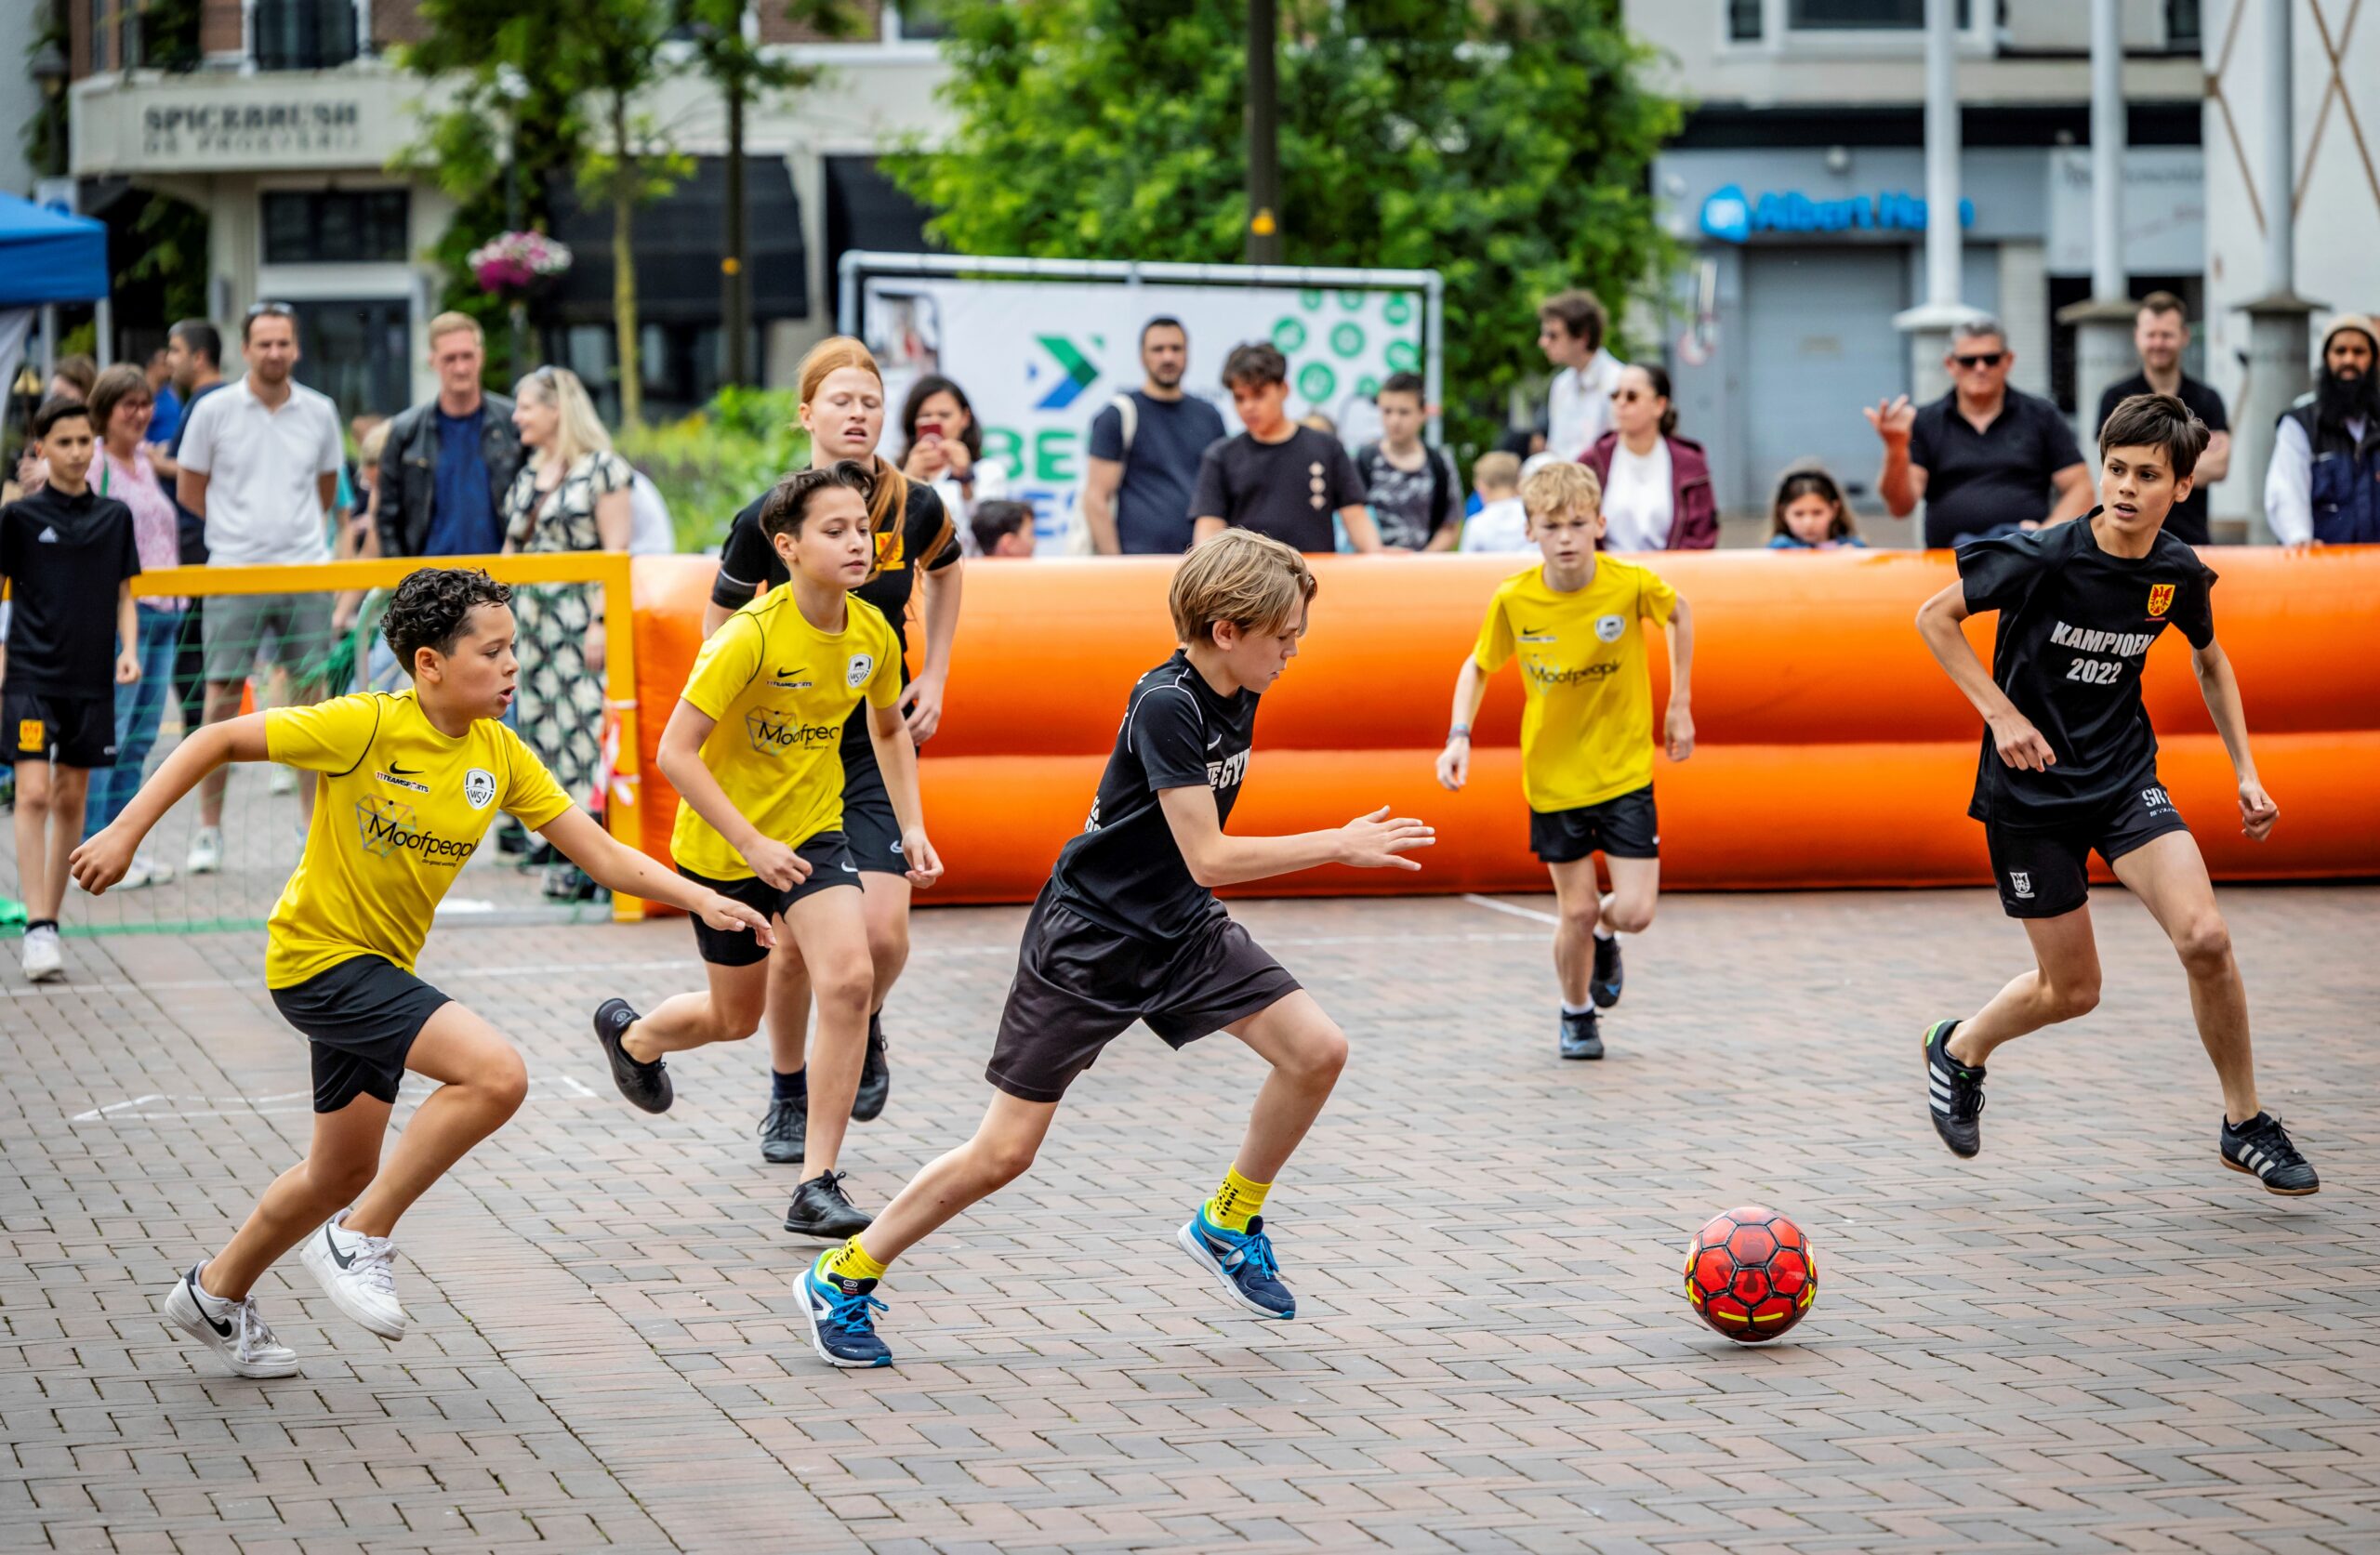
(1832, 751)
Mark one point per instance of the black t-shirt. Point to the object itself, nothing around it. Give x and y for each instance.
(749, 565)
(190, 527)
(1160, 467)
(2188, 520)
(1987, 482)
(65, 558)
(2075, 626)
(1288, 490)
(1124, 871)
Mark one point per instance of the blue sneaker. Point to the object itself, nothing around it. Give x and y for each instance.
(1242, 1261)
(843, 1318)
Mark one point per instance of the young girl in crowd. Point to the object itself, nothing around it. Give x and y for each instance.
(1810, 515)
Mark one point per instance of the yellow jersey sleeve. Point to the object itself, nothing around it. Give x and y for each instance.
(725, 665)
(884, 683)
(1656, 601)
(1495, 643)
(530, 794)
(327, 737)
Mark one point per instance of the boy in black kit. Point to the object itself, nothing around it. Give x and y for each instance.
(1129, 929)
(2070, 765)
(68, 556)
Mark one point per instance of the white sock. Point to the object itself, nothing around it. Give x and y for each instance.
(1603, 934)
(1569, 1008)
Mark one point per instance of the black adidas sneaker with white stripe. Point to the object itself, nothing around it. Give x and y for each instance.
(1954, 1093)
(2261, 1147)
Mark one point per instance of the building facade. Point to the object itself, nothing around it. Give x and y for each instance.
(1799, 185)
(285, 126)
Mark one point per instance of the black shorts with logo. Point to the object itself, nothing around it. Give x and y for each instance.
(869, 821)
(830, 865)
(1078, 985)
(1624, 826)
(2043, 872)
(360, 1018)
(60, 726)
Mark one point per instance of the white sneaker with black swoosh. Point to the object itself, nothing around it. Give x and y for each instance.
(234, 1330)
(358, 1274)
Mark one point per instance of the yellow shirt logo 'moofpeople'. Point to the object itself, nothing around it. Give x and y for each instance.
(780, 691)
(399, 806)
(1587, 727)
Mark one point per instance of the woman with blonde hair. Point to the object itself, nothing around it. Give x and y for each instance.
(917, 554)
(572, 494)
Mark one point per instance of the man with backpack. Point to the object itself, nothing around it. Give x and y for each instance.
(1144, 449)
(1412, 488)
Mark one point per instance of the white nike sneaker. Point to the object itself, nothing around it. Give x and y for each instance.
(205, 852)
(284, 780)
(358, 1274)
(43, 958)
(145, 870)
(234, 1330)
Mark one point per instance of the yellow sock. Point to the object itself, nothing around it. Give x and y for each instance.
(1237, 1202)
(851, 1261)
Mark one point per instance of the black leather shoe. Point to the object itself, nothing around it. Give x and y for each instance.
(822, 1209)
(875, 1076)
(1581, 1035)
(782, 1131)
(647, 1084)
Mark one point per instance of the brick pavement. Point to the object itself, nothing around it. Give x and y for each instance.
(2092, 1338)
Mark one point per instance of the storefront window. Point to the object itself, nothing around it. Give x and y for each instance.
(357, 351)
(335, 226)
(301, 35)
(1868, 16)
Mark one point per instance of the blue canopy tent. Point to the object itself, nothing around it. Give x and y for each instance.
(48, 258)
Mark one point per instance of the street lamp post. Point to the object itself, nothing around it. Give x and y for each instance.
(1264, 134)
(2103, 351)
(1928, 325)
(51, 70)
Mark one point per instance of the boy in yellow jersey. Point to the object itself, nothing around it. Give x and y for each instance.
(1575, 623)
(754, 749)
(408, 786)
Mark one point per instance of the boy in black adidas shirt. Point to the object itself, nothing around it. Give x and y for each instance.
(1129, 929)
(2069, 766)
(68, 556)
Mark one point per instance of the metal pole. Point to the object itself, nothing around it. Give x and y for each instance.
(1942, 235)
(2280, 176)
(2109, 279)
(517, 311)
(1264, 134)
(735, 302)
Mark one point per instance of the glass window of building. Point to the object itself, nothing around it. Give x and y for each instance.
(335, 226)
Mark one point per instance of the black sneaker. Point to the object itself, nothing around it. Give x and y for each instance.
(647, 1084)
(1581, 1035)
(822, 1209)
(2261, 1147)
(784, 1131)
(875, 1076)
(1954, 1092)
(1604, 985)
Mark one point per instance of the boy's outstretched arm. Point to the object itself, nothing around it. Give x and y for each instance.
(1216, 857)
(1470, 691)
(2013, 734)
(100, 861)
(1678, 730)
(626, 871)
(2221, 689)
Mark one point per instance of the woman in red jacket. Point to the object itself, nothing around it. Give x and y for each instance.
(1655, 486)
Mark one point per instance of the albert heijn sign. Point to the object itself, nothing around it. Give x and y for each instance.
(1732, 216)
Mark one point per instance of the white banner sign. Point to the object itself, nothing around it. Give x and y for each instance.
(1039, 360)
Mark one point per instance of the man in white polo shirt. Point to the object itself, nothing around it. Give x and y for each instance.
(259, 464)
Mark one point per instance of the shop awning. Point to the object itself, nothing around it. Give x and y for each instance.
(48, 258)
(678, 241)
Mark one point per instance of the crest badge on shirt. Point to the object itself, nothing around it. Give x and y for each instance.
(862, 666)
(478, 788)
(1608, 627)
(2161, 598)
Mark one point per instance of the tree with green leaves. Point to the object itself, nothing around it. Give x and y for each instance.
(1504, 143)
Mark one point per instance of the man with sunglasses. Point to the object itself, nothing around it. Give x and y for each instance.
(1985, 459)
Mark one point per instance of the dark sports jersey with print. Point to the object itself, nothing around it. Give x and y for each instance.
(2074, 632)
(749, 565)
(65, 558)
(1124, 871)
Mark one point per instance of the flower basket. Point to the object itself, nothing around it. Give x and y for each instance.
(518, 266)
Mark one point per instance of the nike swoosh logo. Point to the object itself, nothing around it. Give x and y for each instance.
(1213, 743)
(851, 869)
(402, 770)
(222, 1329)
(797, 669)
(344, 1260)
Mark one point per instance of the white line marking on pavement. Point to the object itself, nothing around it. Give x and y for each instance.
(1495, 907)
(147, 1108)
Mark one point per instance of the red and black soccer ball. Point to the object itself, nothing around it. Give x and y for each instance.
(1751, 1273)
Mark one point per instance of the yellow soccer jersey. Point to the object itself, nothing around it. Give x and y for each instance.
(781, 690)
(397, 809)
(1587, 729)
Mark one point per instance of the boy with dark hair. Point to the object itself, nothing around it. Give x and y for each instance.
(1570, 330)
(68, 556)
(1415, 496)
(408, 784)
(2069, 766)
(1277, 478)
(1003, 528)
(1129, 929)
